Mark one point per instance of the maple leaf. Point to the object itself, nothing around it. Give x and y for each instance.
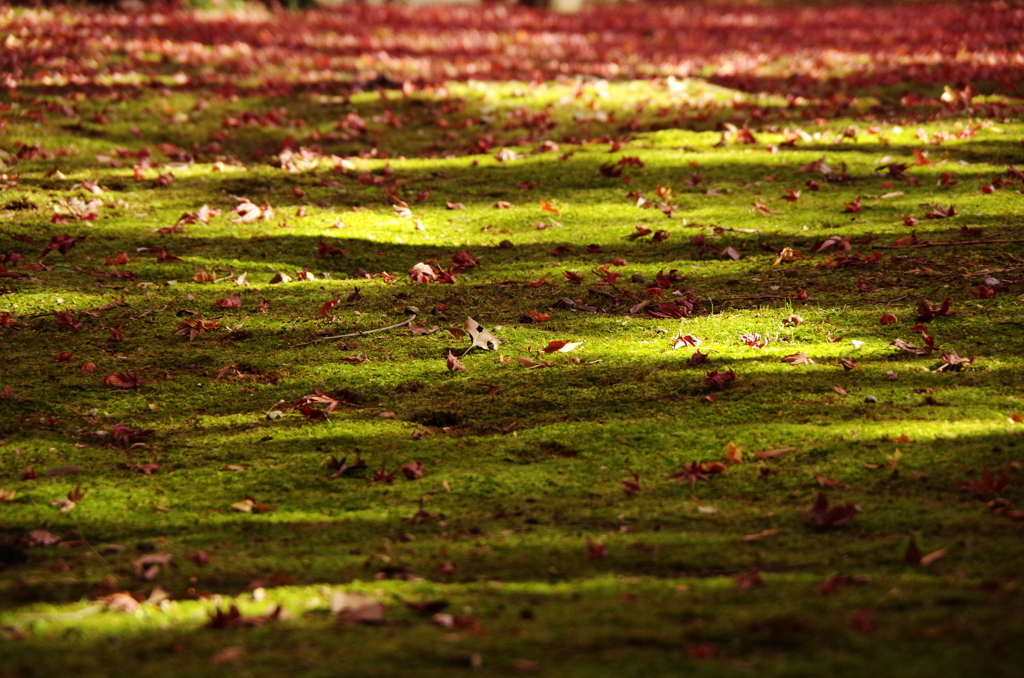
(414, 470)
(816, 166)
(342, 467)
(761, 208)
(824, 516)
(791, 195)
(453, 363)
(854, 206)
(67, 319)
(422, 273)
(247, 212)
(692, 472)
(926, 310)
(546, 206)
(382, 476)
(951, 362)
(798, 359)
(61, 243)
(748, 580)
(126, 379)
(307, 405)
(754, 340)
(232, 301)
(640, 232)
(538, 317)
(324, 250)
(988, 484)
(787, 254)
(595, 550)
(561, 346)
(983, 292)
(717, 380)
(234, 619)
(196, 326)
(631, 487)
(128, 437)
(697, 358)
(733, 453)
(607, 276)
(568, 276)
(940, 212)
(76, 493)
(888, 319)
(910, 348)
(685, 340)
(463, 261)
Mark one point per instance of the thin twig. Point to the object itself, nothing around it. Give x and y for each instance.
(753, 296)
(356, 334)
(943, 244)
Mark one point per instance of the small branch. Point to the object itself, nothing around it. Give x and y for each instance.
(753, 296)
(356, 334)
(943, 244)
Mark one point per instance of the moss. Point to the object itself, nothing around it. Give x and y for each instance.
(524, 465)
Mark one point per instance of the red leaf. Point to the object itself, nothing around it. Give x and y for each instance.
(324, 250)
(232, 301)
(561, 346)
(67, 319)
(715, 379)
(453, 363)
(854, 206)
(595, 550)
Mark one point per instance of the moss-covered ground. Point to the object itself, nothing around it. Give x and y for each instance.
(174, 418)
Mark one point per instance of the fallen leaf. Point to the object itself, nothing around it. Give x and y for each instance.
(356, 608)
(454, 364)
(561, 346)
(480, 337)
(824, 516)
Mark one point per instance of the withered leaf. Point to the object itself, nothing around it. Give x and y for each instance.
(233, 618)
(824, 516)
(414, 470)
(453, 363)
(692, 472)
(480, 337)
(356, 608)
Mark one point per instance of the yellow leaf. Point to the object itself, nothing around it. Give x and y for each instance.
(733, 453)
(245, 506)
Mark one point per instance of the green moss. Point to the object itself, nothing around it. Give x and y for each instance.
(524, 466)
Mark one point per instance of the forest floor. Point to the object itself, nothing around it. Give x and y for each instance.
(407, 342)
